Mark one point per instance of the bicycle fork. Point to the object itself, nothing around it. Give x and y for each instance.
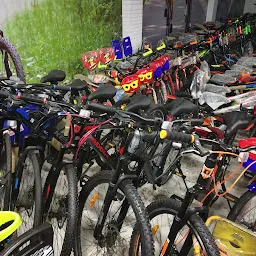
(179, 220)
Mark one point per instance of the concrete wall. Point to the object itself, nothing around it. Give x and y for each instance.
(249, 6)
(9, 8)
(132, 13)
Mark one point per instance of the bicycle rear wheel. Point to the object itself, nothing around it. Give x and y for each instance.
(60, 207)
(11, 64)
(194, 232)
(27, 192)
(119, 223)
(244, 211)
(5, 172)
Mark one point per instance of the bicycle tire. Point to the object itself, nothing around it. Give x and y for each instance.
(7, 46)
(6, 172)
(72, 206)
(135, 202)
(195, 223)
(240, 205)
(36, 188)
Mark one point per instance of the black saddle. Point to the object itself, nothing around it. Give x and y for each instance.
(235, 121)
(78, 85)
(138, 102)
(54, 77)
(104, 92)
(181, 106)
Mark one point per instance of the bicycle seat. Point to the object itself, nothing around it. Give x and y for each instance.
(235, 121)
(181, 106)
(138, 102)
(9, 223)
(78, 85)
(104, 92)
(54, 77)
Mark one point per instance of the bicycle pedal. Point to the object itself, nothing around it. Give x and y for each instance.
(231, 198)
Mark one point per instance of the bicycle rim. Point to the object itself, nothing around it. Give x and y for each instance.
(62, 212)
(25, 203)
(116, 242)
(161, 214)
(5, 172)
(247, 216)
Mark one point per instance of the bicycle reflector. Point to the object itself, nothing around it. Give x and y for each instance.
(145, 75)
(90, 60)
(131, 83)
(106, 55)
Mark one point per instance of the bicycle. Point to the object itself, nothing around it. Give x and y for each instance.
(105, 223)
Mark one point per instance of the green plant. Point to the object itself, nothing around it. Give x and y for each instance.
(54, 34)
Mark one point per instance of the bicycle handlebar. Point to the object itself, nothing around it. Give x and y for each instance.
(125, 114)
(32, 99)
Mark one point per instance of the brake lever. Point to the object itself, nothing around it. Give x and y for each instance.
(199, 147)
(190, 151)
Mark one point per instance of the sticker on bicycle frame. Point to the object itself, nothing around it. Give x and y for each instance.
(145, 75)
(106, 55)
(206, 172)
(131, 83)
(90, 60)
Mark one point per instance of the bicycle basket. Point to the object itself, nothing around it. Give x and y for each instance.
(232, 239)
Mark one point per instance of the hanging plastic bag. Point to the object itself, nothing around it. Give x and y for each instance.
(247, 61)
(213, 100)
(222, 79)
(198, 84)
(205, 67)
(222, 90)
(242, 68)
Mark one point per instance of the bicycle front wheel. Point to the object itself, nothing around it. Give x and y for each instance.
(244, 211)
(194, 232)
(126, 209)
(27, 192)
(5, 172)
(11, 64)
(60, 207)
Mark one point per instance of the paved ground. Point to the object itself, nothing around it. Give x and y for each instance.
(154, 21)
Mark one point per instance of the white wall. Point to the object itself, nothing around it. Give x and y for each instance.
(132, 13)
(249, 6)
(9, 8)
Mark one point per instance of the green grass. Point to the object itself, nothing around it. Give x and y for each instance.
(54, 34)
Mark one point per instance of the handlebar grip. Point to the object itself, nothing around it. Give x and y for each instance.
(62, 88)
(32, 99)
(177, 136)
(101, 108)
(196, 122)
(150, 136)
